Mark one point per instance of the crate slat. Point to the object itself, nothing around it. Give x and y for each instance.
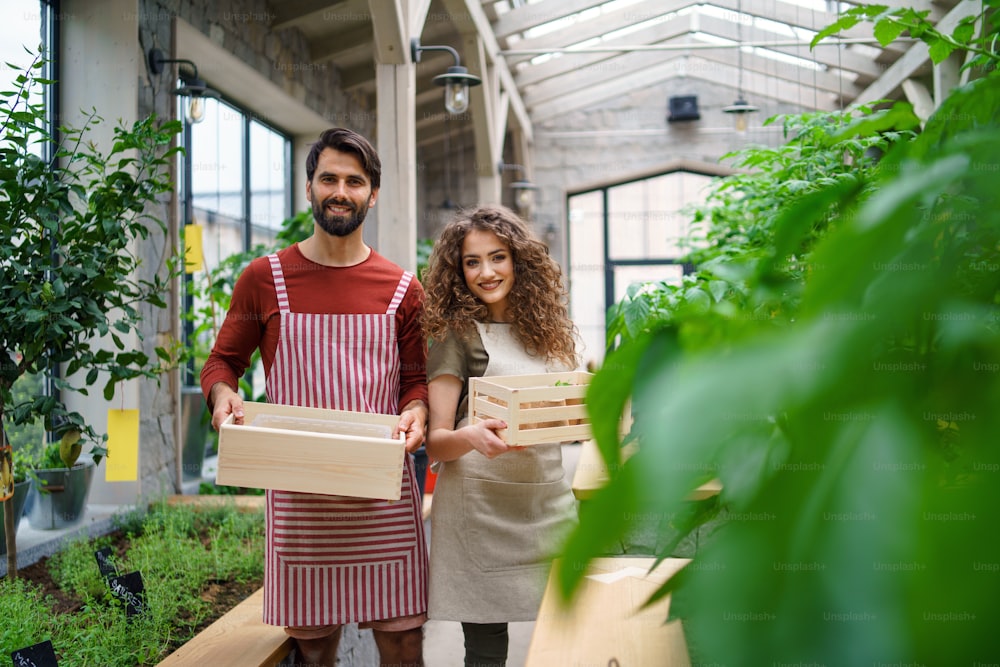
(535, 414)
(549, 435)
(311, 461)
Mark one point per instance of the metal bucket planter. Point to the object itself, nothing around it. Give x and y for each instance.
(196, 428)
(21, 490)
(60, 496)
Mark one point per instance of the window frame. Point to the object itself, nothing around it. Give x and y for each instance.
(607, 264)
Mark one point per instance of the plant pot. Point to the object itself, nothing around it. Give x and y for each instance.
(60, 496)
(196, 427)
(21, 490)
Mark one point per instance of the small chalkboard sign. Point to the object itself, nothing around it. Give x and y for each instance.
(129, 589)
(104, 562)
(39, 655)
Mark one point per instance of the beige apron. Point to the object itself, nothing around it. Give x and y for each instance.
(495, 523)
(331, 560)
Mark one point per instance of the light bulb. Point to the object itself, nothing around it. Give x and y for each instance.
(196, 110)
(740, 122)
(456, 96)
(525, 198)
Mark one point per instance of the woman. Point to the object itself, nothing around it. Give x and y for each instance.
(495, 305)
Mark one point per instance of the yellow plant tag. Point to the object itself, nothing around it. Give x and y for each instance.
(123, 446)
(6, 472)
(193, 255)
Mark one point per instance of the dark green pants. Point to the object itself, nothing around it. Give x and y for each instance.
(485, 644)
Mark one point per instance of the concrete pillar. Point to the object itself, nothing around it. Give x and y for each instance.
(397, 147)
(100, 65)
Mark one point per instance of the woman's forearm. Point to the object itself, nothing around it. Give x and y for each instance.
(444, 444)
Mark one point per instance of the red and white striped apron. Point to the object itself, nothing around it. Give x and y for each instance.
(332, 560)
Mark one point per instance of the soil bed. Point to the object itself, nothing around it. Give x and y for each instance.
(221, 595)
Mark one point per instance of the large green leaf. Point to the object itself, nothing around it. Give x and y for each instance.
(846, 397)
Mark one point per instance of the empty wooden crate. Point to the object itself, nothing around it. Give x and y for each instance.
(312, 450)
(538, 409)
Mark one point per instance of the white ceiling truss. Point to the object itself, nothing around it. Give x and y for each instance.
(550, 57)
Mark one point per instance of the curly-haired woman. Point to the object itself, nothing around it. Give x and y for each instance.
(495, 305)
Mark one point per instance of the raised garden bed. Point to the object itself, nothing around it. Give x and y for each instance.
(196, 564)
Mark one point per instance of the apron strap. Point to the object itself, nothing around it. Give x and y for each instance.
(397, 298)
(279, 283)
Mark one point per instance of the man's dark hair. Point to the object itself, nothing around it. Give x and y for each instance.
(346, 141)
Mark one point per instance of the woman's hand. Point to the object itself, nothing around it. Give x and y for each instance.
(483, 437)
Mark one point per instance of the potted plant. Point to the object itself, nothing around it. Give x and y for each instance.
(61, 480)
(72, 288)
(13, 476)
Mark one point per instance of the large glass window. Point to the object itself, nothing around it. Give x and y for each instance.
(237, 187)
(270, 194)
(622, 234)
(217, 162)
(26, 27)
(240, 176)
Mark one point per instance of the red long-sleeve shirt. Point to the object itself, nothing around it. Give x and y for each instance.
(253, 319)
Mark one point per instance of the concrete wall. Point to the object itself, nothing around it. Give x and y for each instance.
(96, 72)
(622, 139)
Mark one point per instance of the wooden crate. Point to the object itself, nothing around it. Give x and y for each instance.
(538, 409)
(312, 450)
(610, 621)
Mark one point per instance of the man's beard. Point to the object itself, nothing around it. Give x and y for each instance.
(338, 225)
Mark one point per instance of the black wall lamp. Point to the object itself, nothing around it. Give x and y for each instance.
(456, 80)
(191, 85)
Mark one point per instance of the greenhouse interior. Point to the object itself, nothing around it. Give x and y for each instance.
(773, 242)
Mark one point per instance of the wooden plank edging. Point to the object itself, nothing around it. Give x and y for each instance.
(239, 638)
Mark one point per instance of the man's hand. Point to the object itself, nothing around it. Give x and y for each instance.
(412, 422)
(225, 402)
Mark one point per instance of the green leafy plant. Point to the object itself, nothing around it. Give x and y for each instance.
(182, 554)
(211, 292)
(69, 273)
(20, 600)
(735, 229)
(424, 248)
(841, 382)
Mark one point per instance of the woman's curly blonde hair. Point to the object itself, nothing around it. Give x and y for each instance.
(537, 302)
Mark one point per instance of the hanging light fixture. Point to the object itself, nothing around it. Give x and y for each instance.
(524, 190)
(191, 85)
(740, 108)
(456, 80)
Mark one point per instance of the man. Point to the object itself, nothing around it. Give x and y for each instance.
(337, 326)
